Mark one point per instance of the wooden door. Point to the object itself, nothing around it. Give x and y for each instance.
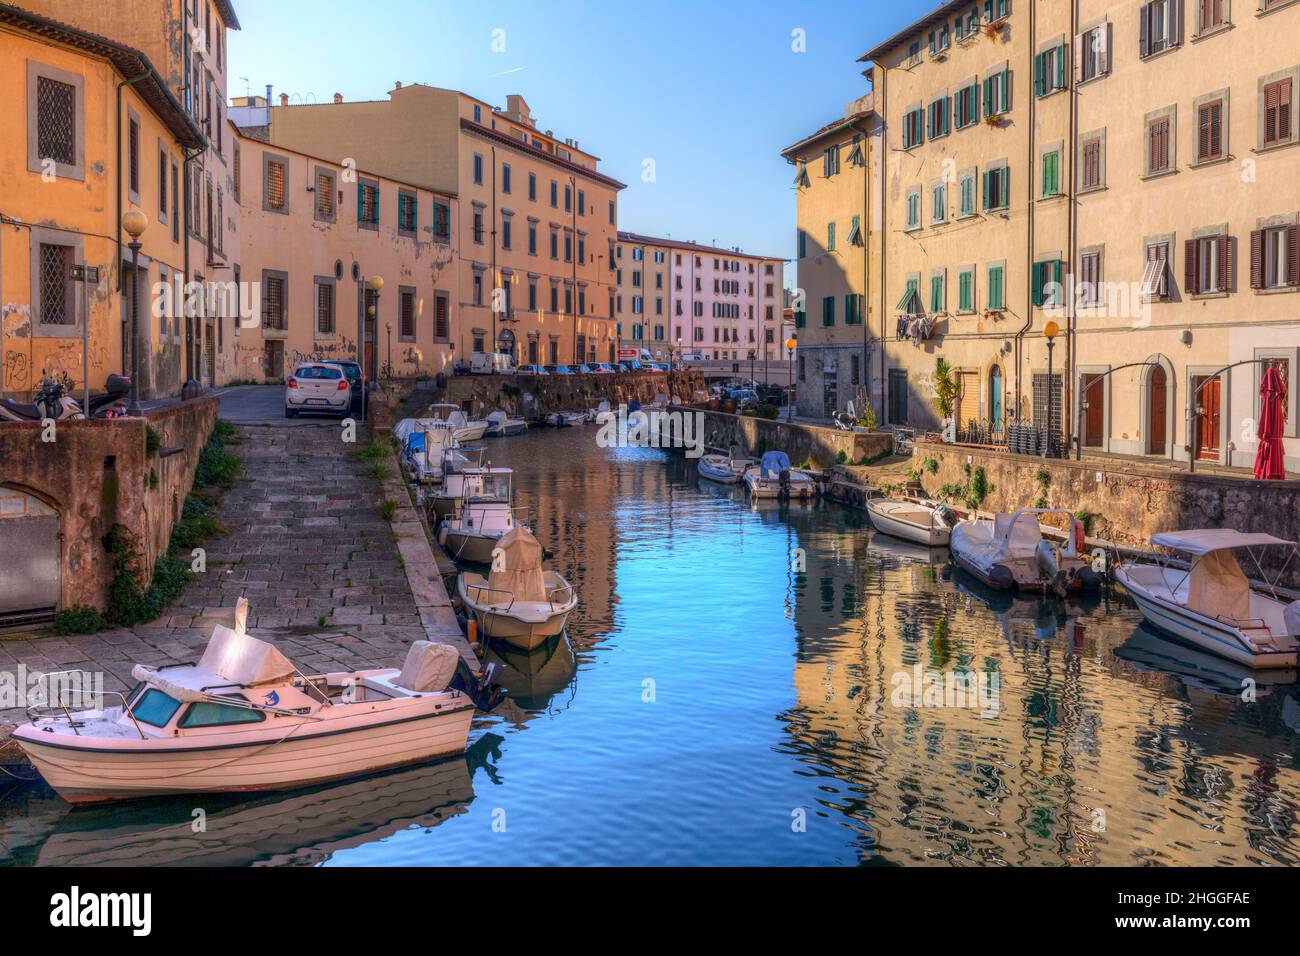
(1158, 427)
(1094, 416)
(1207, 420)
(897, 396)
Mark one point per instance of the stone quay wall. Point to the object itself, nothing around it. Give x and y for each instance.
(821, 446)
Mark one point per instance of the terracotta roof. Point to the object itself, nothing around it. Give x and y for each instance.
(827, 130)
(480, 130)
(128, 62)
(639, 239)
(227, 11)
(916, 26)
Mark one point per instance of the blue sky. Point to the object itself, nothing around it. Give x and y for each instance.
(710, 90)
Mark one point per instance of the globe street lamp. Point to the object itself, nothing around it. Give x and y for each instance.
(134, 223)
(790, 343)
(1050, 330)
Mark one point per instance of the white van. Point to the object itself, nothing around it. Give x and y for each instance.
(491, 363)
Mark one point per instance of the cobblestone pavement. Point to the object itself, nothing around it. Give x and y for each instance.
(305, 544)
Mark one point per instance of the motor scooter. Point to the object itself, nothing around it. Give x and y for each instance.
(53, 402)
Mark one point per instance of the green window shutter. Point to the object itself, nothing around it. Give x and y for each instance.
(963, 292)
(828, 311)
(1040, 74)
(1036, 294)
(1004, 174)
(803, 244)
(830, 237)
(1004, 91)
(1060, 67)
(987, 181)
(995, 288)
(988, 95)
(800, 319)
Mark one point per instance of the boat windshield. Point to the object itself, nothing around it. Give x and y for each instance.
(155, 708)
(493, 487)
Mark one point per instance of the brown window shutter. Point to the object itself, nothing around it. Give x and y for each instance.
(1284, 110)
(1293, 255)
(1191, 266)
(1272, 93)
(1144, 30)
(1175, 22)
(1079, 40)
(1257, 259)
(1227, 263)
(1203, 132)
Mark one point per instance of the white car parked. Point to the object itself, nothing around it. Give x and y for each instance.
(317, 387)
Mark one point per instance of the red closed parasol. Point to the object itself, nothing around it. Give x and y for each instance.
(1272, 419)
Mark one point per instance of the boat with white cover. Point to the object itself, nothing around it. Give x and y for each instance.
(244, 718)
(424, 442)
(724, 469)
(1010, 551)
(462, 427)
(518, 602)
(596, 411)
(922, 522)
(499, 423)
(472, 535)
(1212, 604)
(566, 419)
(773, 477)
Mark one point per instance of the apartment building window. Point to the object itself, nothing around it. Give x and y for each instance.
(1049, 70)
(856, 157)
(555, 297)
(1089, 289)
(441, 317)
(568, 247)
(478, 113)
(913, 128)
(854, 239)
(55, 120)
(938, 203)
(406, 314)
(830, 161)
(1155, 274)
(1051, 173)
(612, 215)
(275, 196)
(555, 194)
(1208, 265)
(1275, 257)
(914, 209)
(965, 105)
(996, 10)
(532, 293)
(478, 225)
(1091, 161)
(368, 204)
(505, 177)
(1159, 143)
(275, 314)
(582, 203)
(325, 289)
(830, 238)
(937, 298)
(532, 238)
(828, 311)
(852, 308)
(57, 303)
(1277, 113)
(803, 250)
(997, 92)
(408, 213)
(1159, 26)
(939, 41)
(568, 198)
(997, 188)
(914, 54)
(133, 157)
(966, 289)
(163, 162)
(326, 210)
(441, 220)
(1092, 58)
(996, 295)
(800, 318)
(1210, 16)
(505, 230)
(568, 299)
(477, 293)
(176, 203)
(1210, 130)
(532, 187)
(478, 169)
(1046, 289)
(938, 117)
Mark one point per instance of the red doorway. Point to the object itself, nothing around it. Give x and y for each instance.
(1094, 416)
(1207, 398)
(1157, 408)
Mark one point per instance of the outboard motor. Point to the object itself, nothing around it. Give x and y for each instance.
(1049, 567)
(784, 480)
(485, 694)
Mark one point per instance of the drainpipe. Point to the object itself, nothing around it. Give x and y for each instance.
(884, 232)
(1029, 254)
(1071, 344)
(866, 253)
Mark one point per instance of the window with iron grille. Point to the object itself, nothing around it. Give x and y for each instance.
(275, 197)
(133, 156)
(56, 299)
(441, 220)
(1042, 391)
(407, 212)
(326, 203)
(56, 120)
(406, 314)
(368, 204)
(324, 308)
(441, 319)
(274, 315)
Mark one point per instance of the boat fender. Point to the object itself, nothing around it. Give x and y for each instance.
(442, 534)
(1087, 578)
(1000, 576)
(1079, 543)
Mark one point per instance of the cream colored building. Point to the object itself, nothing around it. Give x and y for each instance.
(314, 236)
(836, 177)
(537, 223)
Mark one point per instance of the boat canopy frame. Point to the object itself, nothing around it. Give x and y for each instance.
(1252, 543)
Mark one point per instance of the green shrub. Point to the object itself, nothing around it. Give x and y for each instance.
(841, 456)
(387, 508)
(79, 619)
(216, 465)
(932, 466)
(372, 451)
(151, 441)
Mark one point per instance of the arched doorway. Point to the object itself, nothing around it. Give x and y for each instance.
(30, 579)
(506, 343)
(1157, 411)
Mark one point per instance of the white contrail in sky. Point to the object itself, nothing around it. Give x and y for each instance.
(518, 69)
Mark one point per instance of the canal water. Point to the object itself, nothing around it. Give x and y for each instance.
(763, 684)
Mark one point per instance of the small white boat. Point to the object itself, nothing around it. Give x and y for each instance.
(424, 443)
(922, 522)
(244, 718)
(594, 413)
(773, 477)
(518, 602)
(458, 486)
(1011, 552)
(462, 427)
(499, 423)
(566, 419)
(1212, 604)
(472, 535)
(724, 469)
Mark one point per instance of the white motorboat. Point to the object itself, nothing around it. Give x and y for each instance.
(724, 469)
(773, 477)
(462, 427)
(922, 522)
(1212, 604)
(499, 423)
(458, 486)
(244, 718)
(472, 535)
(424, 443)
(595, 412)
(518, 602)
(1011, 552)
(566, 419)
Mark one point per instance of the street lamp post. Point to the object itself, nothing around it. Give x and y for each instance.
(134, 223)
(1050, 330)
(790, 343)
(376, 285)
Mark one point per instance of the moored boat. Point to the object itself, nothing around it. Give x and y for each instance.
(424, 442)
(1010, 551)
(773, 477)
(518, 602)
(472, 534)
(244, 718)
(462, 427)
(1212, 604)
(499, 423)
(921, 522)
(724, 468)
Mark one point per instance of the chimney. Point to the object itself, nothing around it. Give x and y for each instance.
(268, 94)
(284, 99)
(398, 86)
(338, 98)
